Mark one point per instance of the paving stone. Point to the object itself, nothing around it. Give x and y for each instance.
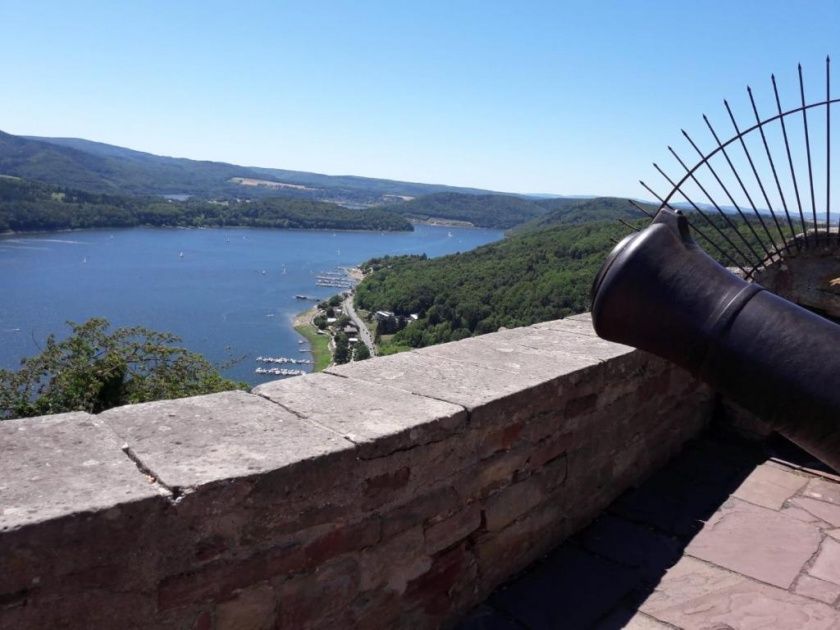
(631, 619)
(803, 515)
(770, 487)
(64, 464)
(827, 565)
(667, 502)
(631, 545)
(823, 490)
(378, 418)
(202, 439)
(696, 595)
(756, 542)
(817, 589)
(827, 512)
(571, 589)
(486, 618)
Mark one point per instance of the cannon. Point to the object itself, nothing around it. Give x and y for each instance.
(660, 292)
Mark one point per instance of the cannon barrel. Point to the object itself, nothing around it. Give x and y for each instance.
(660, 292)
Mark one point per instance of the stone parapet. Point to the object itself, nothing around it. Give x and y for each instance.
(397, 491)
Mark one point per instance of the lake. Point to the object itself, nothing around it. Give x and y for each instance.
(227, 292)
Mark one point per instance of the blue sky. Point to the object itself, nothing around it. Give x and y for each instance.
(560, 97)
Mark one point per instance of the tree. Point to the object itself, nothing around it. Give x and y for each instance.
(94, 369)
(361, 352)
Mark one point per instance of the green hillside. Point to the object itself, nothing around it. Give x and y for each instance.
(31, 206)
(565, 211)
(521, 280)
(490, 211)
(103, 168)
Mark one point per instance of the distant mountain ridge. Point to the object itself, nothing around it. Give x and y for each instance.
(103, 168)
(491, 211)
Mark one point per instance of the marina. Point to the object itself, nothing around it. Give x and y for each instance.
(284, 360)
(280, 371)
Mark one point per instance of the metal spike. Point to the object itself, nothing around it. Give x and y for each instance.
(705, 160)
(808, 153)
(676, 188)
(741, 183)
(665, 204)
(690, 173)
(640, 209)
(760, 127)
(790, 163)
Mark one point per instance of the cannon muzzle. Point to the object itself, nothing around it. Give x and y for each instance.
(660, 292)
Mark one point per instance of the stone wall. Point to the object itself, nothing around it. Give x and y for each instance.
(396, 492)
(808, 276)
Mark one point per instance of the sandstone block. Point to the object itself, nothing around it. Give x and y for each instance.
(447, 532)
(756, 542)
(506, 506)
(770, 487)
(694, 594)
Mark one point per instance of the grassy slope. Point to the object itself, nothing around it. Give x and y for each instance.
(321, 355)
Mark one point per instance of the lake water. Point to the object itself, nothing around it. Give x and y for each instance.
(226, 296)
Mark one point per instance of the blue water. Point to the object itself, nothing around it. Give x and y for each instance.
(215, 297)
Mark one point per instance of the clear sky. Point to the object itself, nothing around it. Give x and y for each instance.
(559, 97)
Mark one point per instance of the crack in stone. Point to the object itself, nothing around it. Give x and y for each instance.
(172, 493)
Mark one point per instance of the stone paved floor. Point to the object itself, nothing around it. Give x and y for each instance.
(725, 536)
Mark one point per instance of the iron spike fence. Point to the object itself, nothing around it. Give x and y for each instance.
(762, 226)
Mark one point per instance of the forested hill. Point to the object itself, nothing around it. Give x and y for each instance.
(103, 168)
(521, 280)
(31, 206)
(565, 210)
(490, 211)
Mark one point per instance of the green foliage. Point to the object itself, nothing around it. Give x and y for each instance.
(30, 206)
(565, 211)
(361, 352)
(342, 348)
(94, 369)
(335, 300)
(518, 281)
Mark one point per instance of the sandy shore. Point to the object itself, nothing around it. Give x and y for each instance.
(302, 319)
(355, 273)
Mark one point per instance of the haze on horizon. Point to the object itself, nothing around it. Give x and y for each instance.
(569, 98)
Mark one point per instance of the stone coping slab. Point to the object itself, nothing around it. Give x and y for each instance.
(478, 371)
(377, 418)
(202, 439)
(71, 463)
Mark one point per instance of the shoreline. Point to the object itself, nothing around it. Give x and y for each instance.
(319, 344)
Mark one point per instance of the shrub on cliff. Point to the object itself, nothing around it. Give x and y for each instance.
(94, 369)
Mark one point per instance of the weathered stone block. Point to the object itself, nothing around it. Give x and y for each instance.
(447, 532)
(379, 419)
(250, 609)
(61, 465)
(437, 503)
(506, 506)
(194, 441)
